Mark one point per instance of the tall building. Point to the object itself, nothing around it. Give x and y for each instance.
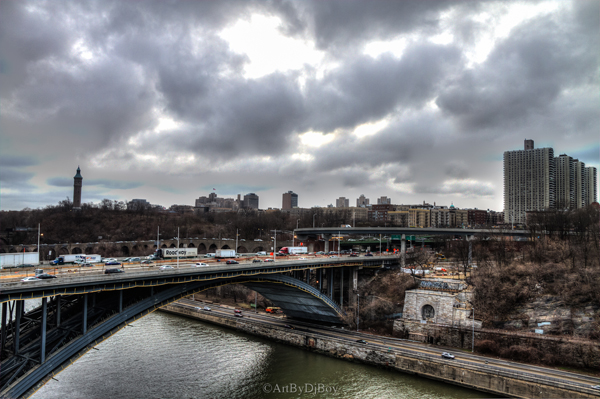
(251, 201)
(580, 186)
(290, 200)
(529, 182)
(384, 200)
(565, 182)
(342, 202)
(362, 201)
(77, 183)
(591, 182)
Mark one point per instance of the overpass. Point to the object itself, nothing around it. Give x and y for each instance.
(77, 312)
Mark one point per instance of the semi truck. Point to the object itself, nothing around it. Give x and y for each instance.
(170, 253)
(293, 250)
(89, 259)
(66, 259)
(225, 253)
(19, 258)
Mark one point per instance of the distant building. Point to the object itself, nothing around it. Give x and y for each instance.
(384, 200)
(77, 184)
(379, 213)
(362, 201)
(290, 200)
(138, 205)
(181, 209)
(591, 180)
(250, 201)
(342, 202)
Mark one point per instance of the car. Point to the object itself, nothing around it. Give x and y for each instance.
(353, 255)
(269, 260)
(28, 279)
(289, 327)
(104, 260)
(261, 253)
(147, 262)
(113, 271)
(45, 276)
(85, 264)
(257, 239)
(136, 259)
(206, 308)
(238, 315)
(256, 260)
(166, 267)
(201, 264)
(447, 355)
(237, 311)
(25, 265)
(302, 258)
(361, 341)
(368, 254)
(596, 386)
(232, 262)
(320, 253)
(333, 256)
(113, 263)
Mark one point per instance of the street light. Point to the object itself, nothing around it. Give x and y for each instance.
(274, 243)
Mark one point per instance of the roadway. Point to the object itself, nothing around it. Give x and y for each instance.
(382, 343)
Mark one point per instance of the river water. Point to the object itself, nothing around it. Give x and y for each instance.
(168, 356)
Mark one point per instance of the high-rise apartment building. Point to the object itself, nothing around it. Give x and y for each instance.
(591, 182)
(362, 201)
(565, 182)
(290, 200)
(529, 182)
(251, 201)
(580, 186)
(342, 202)
(384, 200)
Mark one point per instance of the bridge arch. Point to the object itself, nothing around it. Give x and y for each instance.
(242, 249)
(76, 250)
(115, 306)
(201, 248)
(225, 247)
(63, 251)
(191, 245)
(125, 250)
(258, 249)
(212, 248)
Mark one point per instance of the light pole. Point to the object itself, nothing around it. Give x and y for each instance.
(274, 243)
(38, 246)
(236, 241)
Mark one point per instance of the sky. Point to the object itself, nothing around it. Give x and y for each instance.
(171, 100)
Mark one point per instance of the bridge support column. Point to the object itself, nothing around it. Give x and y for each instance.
(320, 278)
(308, 276)
(352, 276)
(18, 325)
(470, 239)
(342, 286)
(58, 300)
(3, 338)
(403, 251)
(120, 301)
(330, 283)
(85, 309)
(44, 317)
(326, 238)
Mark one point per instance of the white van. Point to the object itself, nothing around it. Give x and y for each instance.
(263, 253)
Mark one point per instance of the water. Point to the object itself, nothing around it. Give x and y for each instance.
(168, 356)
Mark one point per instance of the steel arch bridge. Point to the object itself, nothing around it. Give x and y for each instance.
(73, 319)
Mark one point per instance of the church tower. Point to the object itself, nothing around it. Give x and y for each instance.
(77, 189)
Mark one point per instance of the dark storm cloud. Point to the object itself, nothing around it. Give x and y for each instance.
(15, 161)
(342, 23)
(14, 178)
(368, 89)
(523, 76)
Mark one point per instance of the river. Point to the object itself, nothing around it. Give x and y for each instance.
(168, 356)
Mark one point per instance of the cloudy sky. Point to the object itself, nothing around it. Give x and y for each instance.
(166, 100)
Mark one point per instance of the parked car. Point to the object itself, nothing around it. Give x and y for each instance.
(45, 276)
(232, 262)
(447, 355)
(201, 264)
(114, 270)
(207, 308)
(166, 267)
(29, 279)
(112, 263)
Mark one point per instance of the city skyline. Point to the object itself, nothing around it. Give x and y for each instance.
(418, 102)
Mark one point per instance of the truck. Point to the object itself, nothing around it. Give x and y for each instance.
(346, 226)
(11, 260)
(225, 253)
(89, 259)
(170, 253)
(65, 259)
(293, 250)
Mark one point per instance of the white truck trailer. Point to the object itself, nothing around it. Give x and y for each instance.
(66, 259)
(18, 258)
(225, 253)
(170, 253)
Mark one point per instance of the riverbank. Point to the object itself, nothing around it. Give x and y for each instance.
(482, 378)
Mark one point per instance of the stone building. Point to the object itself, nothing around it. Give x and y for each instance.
(77, 184)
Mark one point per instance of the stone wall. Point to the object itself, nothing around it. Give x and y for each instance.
(449, 308)
(501, 383)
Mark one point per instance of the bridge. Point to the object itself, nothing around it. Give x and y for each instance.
(78, 312)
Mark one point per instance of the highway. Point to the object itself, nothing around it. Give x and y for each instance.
(466, 359)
